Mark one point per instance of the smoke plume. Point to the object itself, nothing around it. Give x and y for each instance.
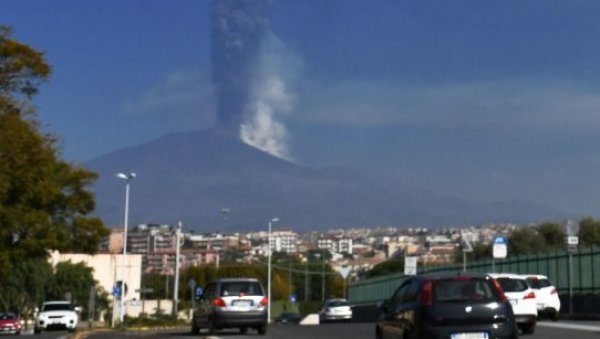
(251, 93)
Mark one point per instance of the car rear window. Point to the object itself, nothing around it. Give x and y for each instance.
(464, 289)
(7, 316)
(539, 283)
(337, 303)
(237, 288)
(513, 285)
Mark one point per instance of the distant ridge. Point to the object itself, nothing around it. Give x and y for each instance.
(191, 176)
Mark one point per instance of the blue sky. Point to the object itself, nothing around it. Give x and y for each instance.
(495, 100)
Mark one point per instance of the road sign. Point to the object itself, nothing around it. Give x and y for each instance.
(499, 248)
(199, 291)
(410, 265)
(116, 291)
(572, 240)
(344, 271)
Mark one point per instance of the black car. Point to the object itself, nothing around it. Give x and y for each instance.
(449, 306)
(231, 303)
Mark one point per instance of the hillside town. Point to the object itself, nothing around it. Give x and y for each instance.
(361, 249)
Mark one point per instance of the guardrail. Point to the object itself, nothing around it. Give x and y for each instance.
(555, 265)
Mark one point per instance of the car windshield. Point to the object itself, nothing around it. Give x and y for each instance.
(57, 307)
(460, 290)
(337, 303)
(513, 285)
(539, 283)
(239, 288)
(7, 316)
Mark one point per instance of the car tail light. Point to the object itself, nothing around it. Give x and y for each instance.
(218, 302)
(426, 297)
(264, 302)
(500, 291)
(530, 295)
(554, 291)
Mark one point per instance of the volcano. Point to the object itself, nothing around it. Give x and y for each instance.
(192, 176)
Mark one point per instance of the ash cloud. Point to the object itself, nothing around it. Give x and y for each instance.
(250, 88)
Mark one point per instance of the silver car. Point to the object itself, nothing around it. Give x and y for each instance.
(231, 303)
(335, 309)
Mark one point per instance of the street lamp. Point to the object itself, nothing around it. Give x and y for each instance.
(272, 221)
(127, 178)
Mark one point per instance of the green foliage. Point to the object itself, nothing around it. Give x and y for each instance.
(589, 232)
(43, 199)
(390, 266)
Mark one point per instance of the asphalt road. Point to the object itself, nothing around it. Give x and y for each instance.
(546, 330)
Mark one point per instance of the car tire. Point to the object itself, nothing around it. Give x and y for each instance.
(378, 334)
(243, 330)
(37, 331)
(195, 328)
(554, 314)
(212, 329)
(528, 328)
(262, 330)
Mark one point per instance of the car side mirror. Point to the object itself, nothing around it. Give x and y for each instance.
(78, 309)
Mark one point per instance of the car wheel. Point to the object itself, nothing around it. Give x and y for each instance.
(212, 329)
(37, 330)
(554, 315)
(262, 330)
(195, 328)
(378, 334)
(243, 330)
(528, 328)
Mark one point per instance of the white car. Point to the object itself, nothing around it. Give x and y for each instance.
(335, 309)
(522, 298)
(56, 314)
(548, 302)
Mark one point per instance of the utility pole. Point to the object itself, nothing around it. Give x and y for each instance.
(176, 283)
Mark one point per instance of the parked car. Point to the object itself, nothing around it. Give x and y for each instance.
(289, 318)
(10, 323)
(335, 309)
(548, 302)
(230, 303)
(56, 315)
(522, 298)
(447, 305)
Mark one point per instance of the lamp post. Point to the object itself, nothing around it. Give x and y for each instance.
(271, 222)
(127, 178)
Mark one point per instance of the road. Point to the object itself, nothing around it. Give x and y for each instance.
(545, 330)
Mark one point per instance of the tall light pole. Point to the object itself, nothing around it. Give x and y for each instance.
(176, 287)
(127, 178)
(272, 221)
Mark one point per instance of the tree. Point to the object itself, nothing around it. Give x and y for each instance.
(44, 201)
(589, 232)
(552, 236)
(524, 240)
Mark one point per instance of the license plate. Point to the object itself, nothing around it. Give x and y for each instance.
(242, 303)
(471, 335)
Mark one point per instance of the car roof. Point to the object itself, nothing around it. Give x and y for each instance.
(506, 275)
(236, 280)
(450, 275)
(57, 302)
(538, 276)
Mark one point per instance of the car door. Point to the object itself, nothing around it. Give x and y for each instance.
(392, 322)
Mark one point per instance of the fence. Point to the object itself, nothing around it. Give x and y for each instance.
(555, 265)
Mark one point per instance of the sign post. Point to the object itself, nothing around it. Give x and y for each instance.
(344, 271)
(572, 242)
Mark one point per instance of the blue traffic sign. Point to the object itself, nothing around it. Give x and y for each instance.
(501, 240)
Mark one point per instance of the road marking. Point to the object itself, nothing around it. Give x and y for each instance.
(571, 326)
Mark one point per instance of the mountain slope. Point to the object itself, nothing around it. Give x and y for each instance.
(191, 176)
